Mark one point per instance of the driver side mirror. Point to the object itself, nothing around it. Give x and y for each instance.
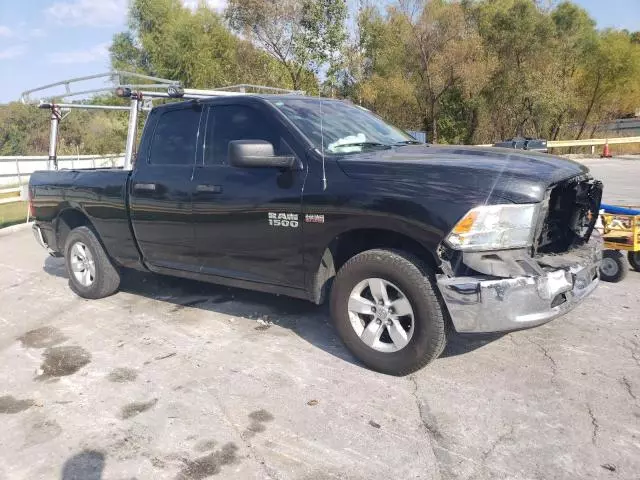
(257, 153)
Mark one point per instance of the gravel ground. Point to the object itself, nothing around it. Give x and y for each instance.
(183, 380)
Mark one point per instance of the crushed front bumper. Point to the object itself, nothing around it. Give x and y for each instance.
(478, 305)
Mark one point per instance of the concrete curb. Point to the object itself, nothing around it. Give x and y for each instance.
(14, 228)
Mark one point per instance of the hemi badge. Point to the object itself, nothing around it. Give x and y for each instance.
(311, 218)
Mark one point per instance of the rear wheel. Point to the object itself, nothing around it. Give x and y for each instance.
(386, 311)
(634, 260)
(91, 273)
(614, 267)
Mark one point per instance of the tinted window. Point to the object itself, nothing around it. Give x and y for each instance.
(174, 139)
(238, 122)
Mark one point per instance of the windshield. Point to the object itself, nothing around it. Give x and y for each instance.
(346, 128)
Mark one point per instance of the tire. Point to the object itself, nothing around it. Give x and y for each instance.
(103, 278)
(414, 282)
(614, 267)
(634, 260)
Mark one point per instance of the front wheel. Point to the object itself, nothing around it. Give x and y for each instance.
(634, 260)
(613, 268)
(91, 273)
(385, 308)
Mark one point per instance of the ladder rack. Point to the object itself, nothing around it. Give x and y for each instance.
(141, 97)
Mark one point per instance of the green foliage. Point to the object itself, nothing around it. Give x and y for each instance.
(609, 79)
(169, 40)
(24, 130)
(467, 71)
(484, 70)
(301, 35)
(129, 56)
(434, 50)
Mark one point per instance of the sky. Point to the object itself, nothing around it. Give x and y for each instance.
(44, 41)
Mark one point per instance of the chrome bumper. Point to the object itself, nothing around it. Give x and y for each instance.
(478, 305)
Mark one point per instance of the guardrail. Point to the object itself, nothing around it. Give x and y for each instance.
(18, 169)
(592, 142)
(588, 142)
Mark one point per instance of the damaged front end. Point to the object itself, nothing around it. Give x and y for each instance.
(501, 290)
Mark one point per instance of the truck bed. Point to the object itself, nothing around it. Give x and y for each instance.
(100, 194)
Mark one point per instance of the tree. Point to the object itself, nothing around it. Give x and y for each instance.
(127, 55)
(467, 71)
(421, 58)
(520, 96)
(575, 38)
(195, 47)
(24, 130)
(448, 55)
(609, 80)
(301, 35)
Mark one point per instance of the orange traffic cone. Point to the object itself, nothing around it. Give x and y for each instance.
(606, 152)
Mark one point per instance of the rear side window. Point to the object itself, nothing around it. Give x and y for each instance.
(175, 138)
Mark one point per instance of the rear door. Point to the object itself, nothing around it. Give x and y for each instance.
(161, 188)
(247, 220)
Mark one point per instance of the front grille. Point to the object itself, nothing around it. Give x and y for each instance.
(569, 216)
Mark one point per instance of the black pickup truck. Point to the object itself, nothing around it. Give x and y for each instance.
(321, 199)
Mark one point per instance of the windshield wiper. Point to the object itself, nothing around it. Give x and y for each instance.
(363, 144)
(408, 142)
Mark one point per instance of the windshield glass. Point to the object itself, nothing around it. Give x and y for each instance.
(345, 127)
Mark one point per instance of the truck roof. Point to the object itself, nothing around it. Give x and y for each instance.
(268, 97)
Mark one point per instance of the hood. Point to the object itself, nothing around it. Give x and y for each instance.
(500, 174)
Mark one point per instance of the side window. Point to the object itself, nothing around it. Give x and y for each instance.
(238, 122)
(175, 137)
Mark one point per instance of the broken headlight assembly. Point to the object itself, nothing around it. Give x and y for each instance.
(495, 227)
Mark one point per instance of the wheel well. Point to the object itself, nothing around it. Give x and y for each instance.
(348, 244)
(353, 242)
(67, 221)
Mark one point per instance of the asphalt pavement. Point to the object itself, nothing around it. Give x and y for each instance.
(176, 379)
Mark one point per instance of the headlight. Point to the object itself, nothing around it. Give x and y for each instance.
(494, 227)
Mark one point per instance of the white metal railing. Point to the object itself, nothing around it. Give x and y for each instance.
(18, 169)
(587, 142)
(592, 142)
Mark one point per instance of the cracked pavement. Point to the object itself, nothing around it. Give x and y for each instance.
(175, 379)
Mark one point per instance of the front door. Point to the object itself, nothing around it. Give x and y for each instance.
(247, 220)
(161, 188)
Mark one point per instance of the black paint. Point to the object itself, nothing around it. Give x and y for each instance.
(417, 191)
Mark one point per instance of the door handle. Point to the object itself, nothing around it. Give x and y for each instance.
(149, 187)
(209, 188)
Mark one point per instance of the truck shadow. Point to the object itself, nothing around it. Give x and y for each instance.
(310, 322)
(460, 344)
